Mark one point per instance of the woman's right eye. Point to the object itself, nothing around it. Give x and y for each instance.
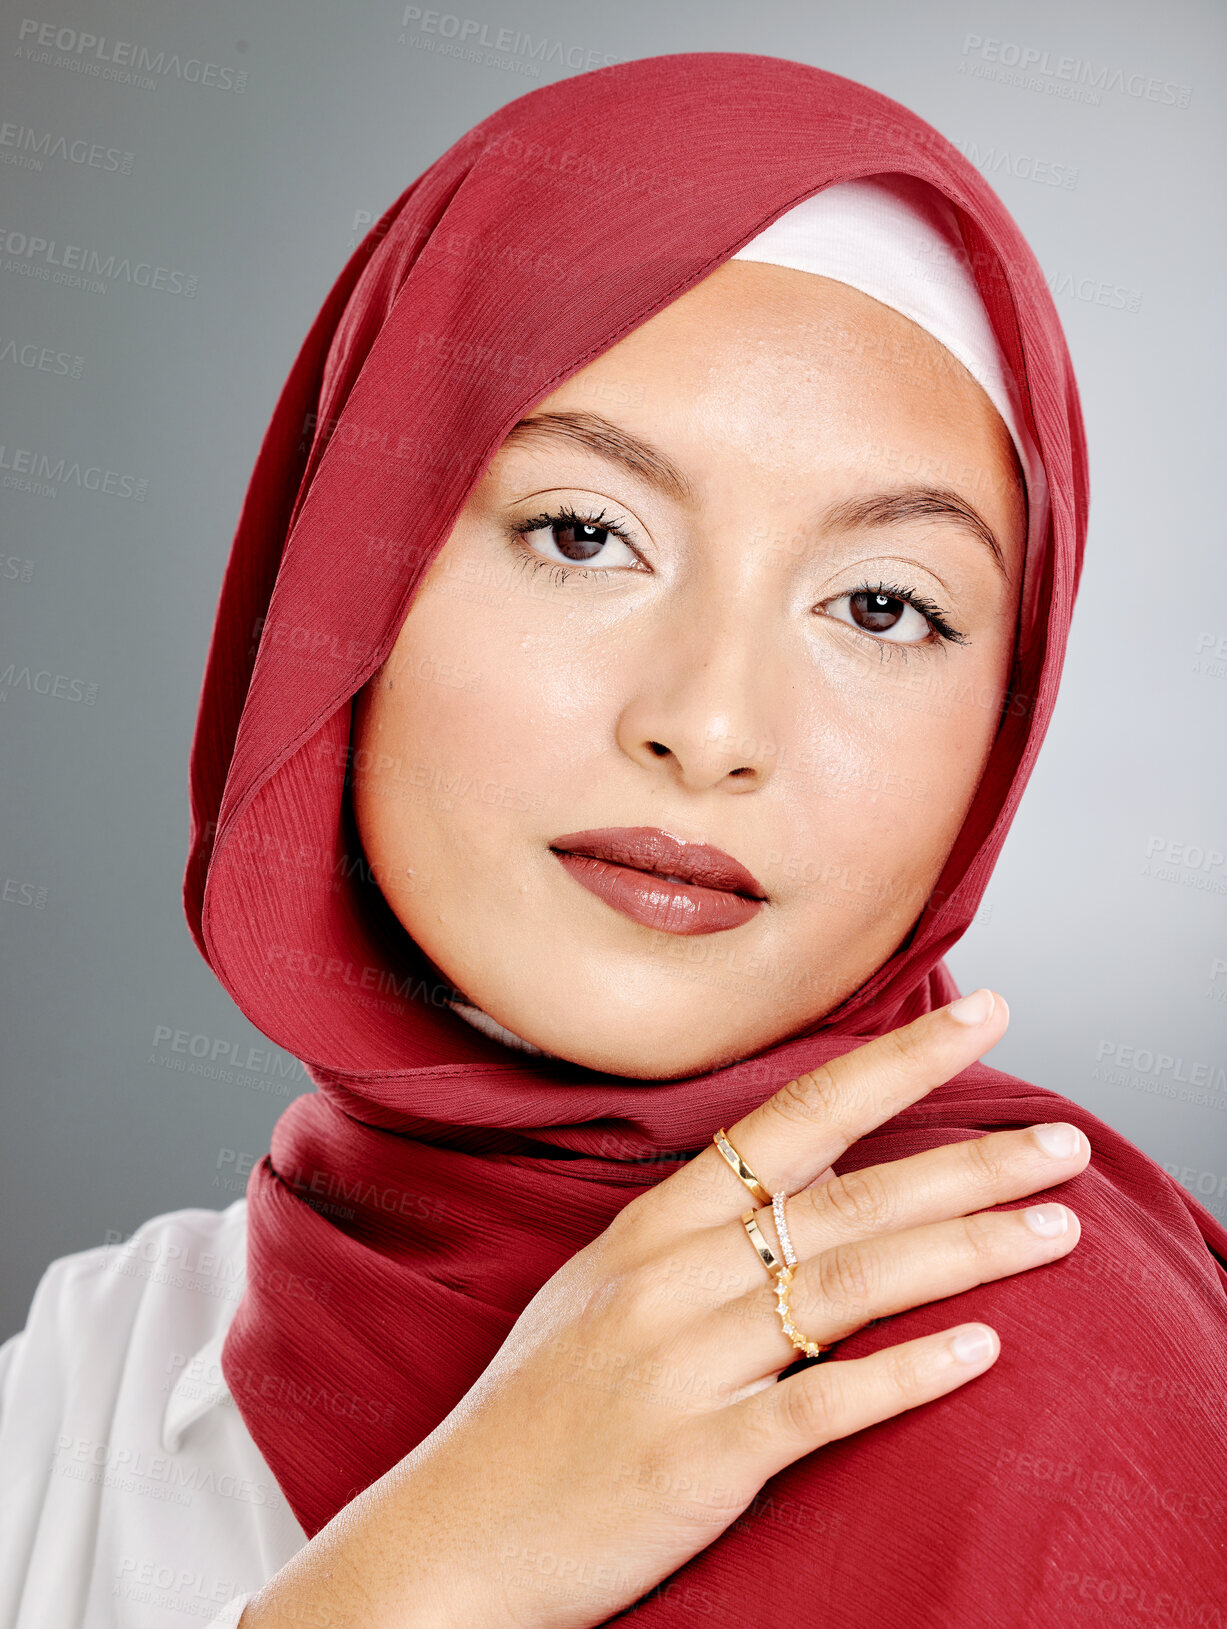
(566, 538)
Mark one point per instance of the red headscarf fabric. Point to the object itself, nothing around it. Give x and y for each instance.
(416, 1201)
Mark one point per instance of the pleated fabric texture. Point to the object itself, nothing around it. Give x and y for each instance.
(437, 1178)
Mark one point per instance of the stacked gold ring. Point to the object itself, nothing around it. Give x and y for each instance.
(782, 1280)
(766, 1254)
(739, 1168)
(780, 1272)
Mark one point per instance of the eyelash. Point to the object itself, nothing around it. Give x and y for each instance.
(929, 609)
(566, 516)
(934, 615)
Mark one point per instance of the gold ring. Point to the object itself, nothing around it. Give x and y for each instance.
(766, 1254)
(739, 1167)
(811, 1348)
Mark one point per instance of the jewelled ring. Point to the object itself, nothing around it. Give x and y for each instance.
(811, 1348)
(781, 1227)
(764, 1251)
(739, 1168)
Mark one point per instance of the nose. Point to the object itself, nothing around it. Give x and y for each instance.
(701, 709)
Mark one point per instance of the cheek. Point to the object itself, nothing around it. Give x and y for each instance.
(888, 769)
(468, 709)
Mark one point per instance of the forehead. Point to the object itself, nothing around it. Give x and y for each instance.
(751, 324)
(799, 372)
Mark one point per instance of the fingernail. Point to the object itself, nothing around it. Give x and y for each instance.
(976, 1008)
(1059, 1140)
(973, 1344)
(1050, 1221)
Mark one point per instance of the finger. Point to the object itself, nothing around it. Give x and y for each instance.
(810, 1121)
(839, 1291)
(935, 1185)
(830, 1400)
(842, 1289)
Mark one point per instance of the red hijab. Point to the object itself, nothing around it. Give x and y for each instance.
(420, 1197)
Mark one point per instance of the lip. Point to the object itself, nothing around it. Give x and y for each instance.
(660, 880)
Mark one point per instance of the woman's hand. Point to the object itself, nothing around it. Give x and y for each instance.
(634, 1412)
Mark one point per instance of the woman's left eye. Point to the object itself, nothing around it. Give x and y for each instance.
(568, 539)
(891, 614)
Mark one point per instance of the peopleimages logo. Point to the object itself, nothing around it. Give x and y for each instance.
(42, 358)
(508, 42)
(75, 266)
(29, 148)
(998, 160)
(44, 473)
(1072, 77)
(124, 61)
(45, 683)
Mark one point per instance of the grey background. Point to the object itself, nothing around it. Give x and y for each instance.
(1104, 924)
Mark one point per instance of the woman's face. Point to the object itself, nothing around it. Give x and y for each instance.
(749, 579)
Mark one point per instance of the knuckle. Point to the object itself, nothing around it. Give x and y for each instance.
(811, 1096)
(628, 1297)
(982, 1240)
(859, 1199)
(622, 1244)
(906, 1047)
(621, 1231)
(903, 1372)
(638, 1283)
(809, 1411)
(846, 1278)
(986, 1160)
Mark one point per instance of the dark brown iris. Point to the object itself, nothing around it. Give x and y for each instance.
(876, 613)
(577, 540)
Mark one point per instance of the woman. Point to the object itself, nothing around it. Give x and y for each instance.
(643, 503)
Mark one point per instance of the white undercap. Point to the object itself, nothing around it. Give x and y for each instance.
(898, 240)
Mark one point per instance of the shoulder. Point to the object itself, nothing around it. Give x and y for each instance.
(1136, 1211)
(180, 1273)
(1087, 1462)
(116, 1325)
(1114, 1355)
(125, 1467)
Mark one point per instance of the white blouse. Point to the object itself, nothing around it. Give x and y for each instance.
(130, 1488)
(131, 1492)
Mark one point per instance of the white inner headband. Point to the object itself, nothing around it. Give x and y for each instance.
(897, 239)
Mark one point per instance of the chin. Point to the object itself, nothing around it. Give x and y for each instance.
(637, 1060)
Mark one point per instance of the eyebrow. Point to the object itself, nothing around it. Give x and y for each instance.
(916, 503)
(601, 435)
(889, 508)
